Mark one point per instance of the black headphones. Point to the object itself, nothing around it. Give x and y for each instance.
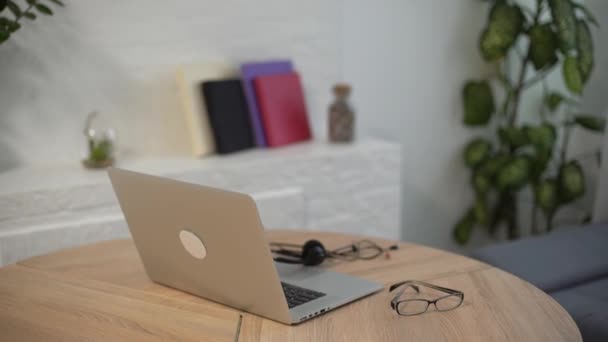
(313, 253)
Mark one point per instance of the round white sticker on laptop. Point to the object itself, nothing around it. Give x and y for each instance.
(192, 244)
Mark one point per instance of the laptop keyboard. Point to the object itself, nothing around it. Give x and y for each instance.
(298, 295)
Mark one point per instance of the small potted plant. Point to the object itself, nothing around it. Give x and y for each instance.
(100, 145)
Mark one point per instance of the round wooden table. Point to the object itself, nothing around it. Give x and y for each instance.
(100, 292)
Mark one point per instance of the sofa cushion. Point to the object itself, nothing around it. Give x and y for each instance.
(555, 261)
(587, 304)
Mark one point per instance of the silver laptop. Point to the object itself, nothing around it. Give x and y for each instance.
(210, 243)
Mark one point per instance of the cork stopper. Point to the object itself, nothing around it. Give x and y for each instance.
(342, 89)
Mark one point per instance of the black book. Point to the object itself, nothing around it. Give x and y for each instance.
(228, 115)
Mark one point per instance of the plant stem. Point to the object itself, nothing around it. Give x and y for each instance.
(543, 107)
(522, 74)
(540, 75)
(518, 89)
(565, 142)
(29, 8)
(502, 76)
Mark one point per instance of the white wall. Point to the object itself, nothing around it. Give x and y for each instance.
(407, 61)
(119, 57)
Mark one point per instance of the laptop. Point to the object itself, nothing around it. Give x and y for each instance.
(210, 243)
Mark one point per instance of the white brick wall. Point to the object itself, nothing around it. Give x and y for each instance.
(120, 57)
(345, 188)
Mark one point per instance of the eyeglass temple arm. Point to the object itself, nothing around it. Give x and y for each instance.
(409, 282)
(398, 294)
(440, 288)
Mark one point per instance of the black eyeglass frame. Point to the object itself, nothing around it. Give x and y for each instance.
(414, 284)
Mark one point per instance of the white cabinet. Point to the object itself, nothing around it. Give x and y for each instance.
(345, 188)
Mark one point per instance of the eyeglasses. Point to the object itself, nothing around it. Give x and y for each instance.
(417, 306)
(359, 250)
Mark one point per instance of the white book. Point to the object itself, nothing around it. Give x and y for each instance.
(189, 80)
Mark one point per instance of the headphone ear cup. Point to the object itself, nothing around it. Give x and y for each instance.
(313, 253)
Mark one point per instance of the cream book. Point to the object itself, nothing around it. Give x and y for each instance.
(189, 80)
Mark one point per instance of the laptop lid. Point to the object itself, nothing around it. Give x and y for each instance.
(167, 218)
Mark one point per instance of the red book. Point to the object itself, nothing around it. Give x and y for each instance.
(282, 108)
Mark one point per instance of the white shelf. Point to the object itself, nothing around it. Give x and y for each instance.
(60, 176)
(351, 188)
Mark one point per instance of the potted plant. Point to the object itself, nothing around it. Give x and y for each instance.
(11, 23)
(554, 34)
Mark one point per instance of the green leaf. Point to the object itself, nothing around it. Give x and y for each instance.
(505, 24)
(15, 9)
(58, 2)
(481, 183)
(553, 100)
(542, 137)
(44, 9)
(3, 4)
(491, 166)
(538, 164)
(491, 45)
(586, 13)
(4, 35)
(98, 154)
(513, 136)
(572, 75)
(584, 47)
(13, 26)
(478, 103)
(101, 151)
(543, 46)
(514, 174)
(9, 25)
(4, 23)
(464, 228)
(591, 122)
(480, 211)
(571, 182)
(29, 15)
(546, 195)
(564, 20)
(477, 151)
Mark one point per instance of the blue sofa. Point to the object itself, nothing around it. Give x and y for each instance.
(570, 265)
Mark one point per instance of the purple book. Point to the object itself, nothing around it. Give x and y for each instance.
(249, 71)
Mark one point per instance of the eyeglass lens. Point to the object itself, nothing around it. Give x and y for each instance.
(412, 306)
(418, 306)
(448, 303)
(368, 250)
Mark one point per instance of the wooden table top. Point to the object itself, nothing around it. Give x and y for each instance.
(100, 292)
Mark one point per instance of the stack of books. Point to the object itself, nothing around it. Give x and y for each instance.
(229, 109)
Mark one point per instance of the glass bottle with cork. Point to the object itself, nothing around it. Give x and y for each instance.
(341, 116)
